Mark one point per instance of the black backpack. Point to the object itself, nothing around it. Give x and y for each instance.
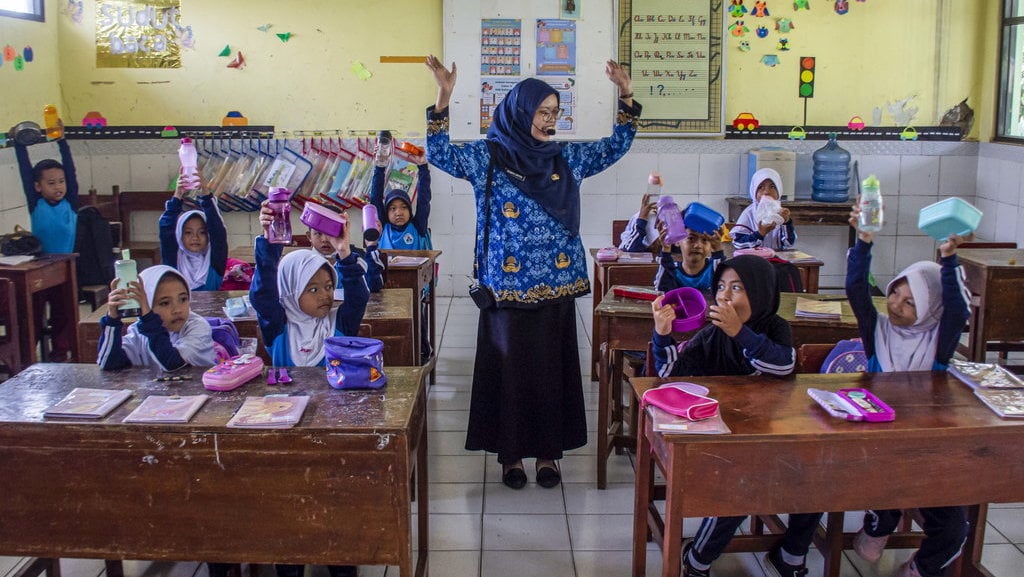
(787, 276)
(94, 244)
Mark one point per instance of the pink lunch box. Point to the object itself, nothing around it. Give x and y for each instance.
(232, 373)
(322, 219)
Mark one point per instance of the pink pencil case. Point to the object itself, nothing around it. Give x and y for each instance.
(853, 405)
(683, 399)
(607, 254)
(232, 373)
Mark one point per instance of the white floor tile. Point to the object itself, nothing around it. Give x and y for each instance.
(601, 532)
(447, 400)
(525, 533)
(514, 563)
(531, 499)
(449, 443)
(1009, 522)
(454, 421)
(455, 468)
(455, 532)
(455, 498)
(453, 563)
(613, 563)
(586, 498)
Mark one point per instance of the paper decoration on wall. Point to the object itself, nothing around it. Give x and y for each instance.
(855, 123)
(806, 88)
(569, 10)
(29, 55)
(264, 28)
(74, 9)
(185, 38)
(901, 111)
(93, 119)
(226, 51)
(783, 45)
(9, 53)
(169, 132)
(284, 36)
(737, 10)
(762, 32)
(760, 9)
(842, 7)
(737, 29)
(360, 71)
(744, 46)
(140, 34)
(801, 4)
(784, 25)
(770, 60)
(234, 118)
(19, 63)
(238, 61)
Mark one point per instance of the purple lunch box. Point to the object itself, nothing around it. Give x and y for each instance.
(322, 219)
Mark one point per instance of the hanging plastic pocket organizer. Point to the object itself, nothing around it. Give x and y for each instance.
(355, 363)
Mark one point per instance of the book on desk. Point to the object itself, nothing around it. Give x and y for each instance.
(794, 256)
(167, 409)
(665, 422)
(86, 403)
(818, 309)
(270, 412)
(984, 375)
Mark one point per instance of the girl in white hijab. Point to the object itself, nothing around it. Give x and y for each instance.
(168, 334)
(195, 242)
(756, 226)
(927, 306)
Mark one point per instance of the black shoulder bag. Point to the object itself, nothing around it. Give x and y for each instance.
(480, 293)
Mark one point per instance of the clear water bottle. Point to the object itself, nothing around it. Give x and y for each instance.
(280, 230)
(126, 272)
(385, 148)
(670, 215)
(189, 159)
(871, 208)
(831, 178)
(654, 185)
(370, 231)
(54, 127)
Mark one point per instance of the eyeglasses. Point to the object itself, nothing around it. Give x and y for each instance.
(549, 115)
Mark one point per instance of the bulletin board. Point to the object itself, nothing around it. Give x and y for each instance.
(676, 59)
(566, 43)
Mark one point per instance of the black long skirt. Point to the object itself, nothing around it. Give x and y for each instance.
(527, 396)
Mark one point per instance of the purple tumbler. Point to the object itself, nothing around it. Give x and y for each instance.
(670, 215)
(370, 231)
(280, 231)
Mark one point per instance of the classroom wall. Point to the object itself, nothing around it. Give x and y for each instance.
(23, 94)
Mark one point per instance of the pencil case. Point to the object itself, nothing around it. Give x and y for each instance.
(607, 254)
(686, 400)
(320, 218)
(853, 405)
(232, 373)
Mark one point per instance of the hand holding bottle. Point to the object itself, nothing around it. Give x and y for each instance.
(864, 235)
(132, 292)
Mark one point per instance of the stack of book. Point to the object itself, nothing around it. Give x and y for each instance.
(795, 256)
(666, 422)
(997, 387)
(818, 309)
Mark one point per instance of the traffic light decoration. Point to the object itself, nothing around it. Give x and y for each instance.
(806, 76)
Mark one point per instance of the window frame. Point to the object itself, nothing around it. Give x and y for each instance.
(1003, 119)
(38, 13)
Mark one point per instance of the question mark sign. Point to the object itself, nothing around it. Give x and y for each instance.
(661, 90)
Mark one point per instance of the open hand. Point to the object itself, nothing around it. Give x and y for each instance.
(663, 316)
(619, 77)
(444, 78)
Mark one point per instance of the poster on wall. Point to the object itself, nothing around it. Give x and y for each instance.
(556, 47)
(500, 47)
(492, 91)
(140, 34)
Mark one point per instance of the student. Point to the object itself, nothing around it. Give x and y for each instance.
(168, 334)
(746, 336)
(194, 242)
(641, 232)
(927, 306)
(702, 253)
(748, 233)
(402, 229)
(374, 265)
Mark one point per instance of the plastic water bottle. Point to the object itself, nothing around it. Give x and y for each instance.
(370, 231)
(189, 159)
(654, 185)
(385, 148)
(831, 178)
(280, 230)
(126, 272)
(54, 127)
(670, 215)
(871, 209)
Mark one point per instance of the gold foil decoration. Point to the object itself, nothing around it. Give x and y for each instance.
(134, 34)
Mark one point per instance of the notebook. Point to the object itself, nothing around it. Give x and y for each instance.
(88, 403)
(402, 260)
(166, 409)
(666, 422)
(795, 256)
(270, 412)
(1004, 402)
(816, 309)
(984, 375)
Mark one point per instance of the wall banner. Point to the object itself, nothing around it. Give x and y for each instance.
(140, 34)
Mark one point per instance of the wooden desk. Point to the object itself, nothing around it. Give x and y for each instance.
(420, 278)
(336, 489)
(804, 212)
(786, 455)
(810, 270)
(997, 284)
(33, 277)
(630, 324)
(389, 313)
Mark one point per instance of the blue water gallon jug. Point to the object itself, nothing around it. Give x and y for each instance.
(831, 179)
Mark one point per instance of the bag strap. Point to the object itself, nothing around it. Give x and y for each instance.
(487, 215)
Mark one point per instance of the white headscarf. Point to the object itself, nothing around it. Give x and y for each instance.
(194, 341)
(306, 333)
(912, 348)
(193, 266)
(748, 220)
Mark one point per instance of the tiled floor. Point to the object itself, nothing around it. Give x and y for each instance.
(481, 528)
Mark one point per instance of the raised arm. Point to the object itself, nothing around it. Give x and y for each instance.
(218, 233)
(168, 228)
(421, 220)
(28, 182)
(70, 174)
(263, 292)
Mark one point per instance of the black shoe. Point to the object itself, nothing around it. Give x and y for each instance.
(689, 570)
(780, 568)
(513, 477)
(548, 476)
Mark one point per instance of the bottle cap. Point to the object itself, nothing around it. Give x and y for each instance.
(126, 254)
(654, 178)
(279, 194)
(186, 140)
(871, 182)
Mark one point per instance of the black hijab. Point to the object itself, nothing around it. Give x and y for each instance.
(758, 277)
(536, 168)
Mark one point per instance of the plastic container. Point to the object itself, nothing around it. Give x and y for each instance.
(702, 219)
(322, 219)
(370, 231)
(54, 127)
(126, 272)
(690, 307)
(280, 230)
(949, 216)
(872, 211)
(831, 177)
(385, 148)
(654, 185)
(232, 373)
(670, 215)
(410, 148)
(189, 159)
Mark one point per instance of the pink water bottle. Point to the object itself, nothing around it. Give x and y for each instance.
(370, 231)
(189, 158)
(280, 231)
(670, 215)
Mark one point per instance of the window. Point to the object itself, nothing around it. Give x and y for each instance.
(27, 9)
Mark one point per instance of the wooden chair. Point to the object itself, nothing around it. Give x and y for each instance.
(10, 351)
(618, 226)
(129, 202)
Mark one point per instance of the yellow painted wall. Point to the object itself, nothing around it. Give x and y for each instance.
(23, 94)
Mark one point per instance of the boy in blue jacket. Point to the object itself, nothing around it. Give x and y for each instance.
(403, 229)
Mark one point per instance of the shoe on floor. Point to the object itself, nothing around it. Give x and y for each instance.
(908, 569)
(548, 476)
(777, 566)
(688, 570)
(869, 548)
(513, 477)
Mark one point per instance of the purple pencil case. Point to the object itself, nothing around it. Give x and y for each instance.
(322, 219)
(853, 405)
